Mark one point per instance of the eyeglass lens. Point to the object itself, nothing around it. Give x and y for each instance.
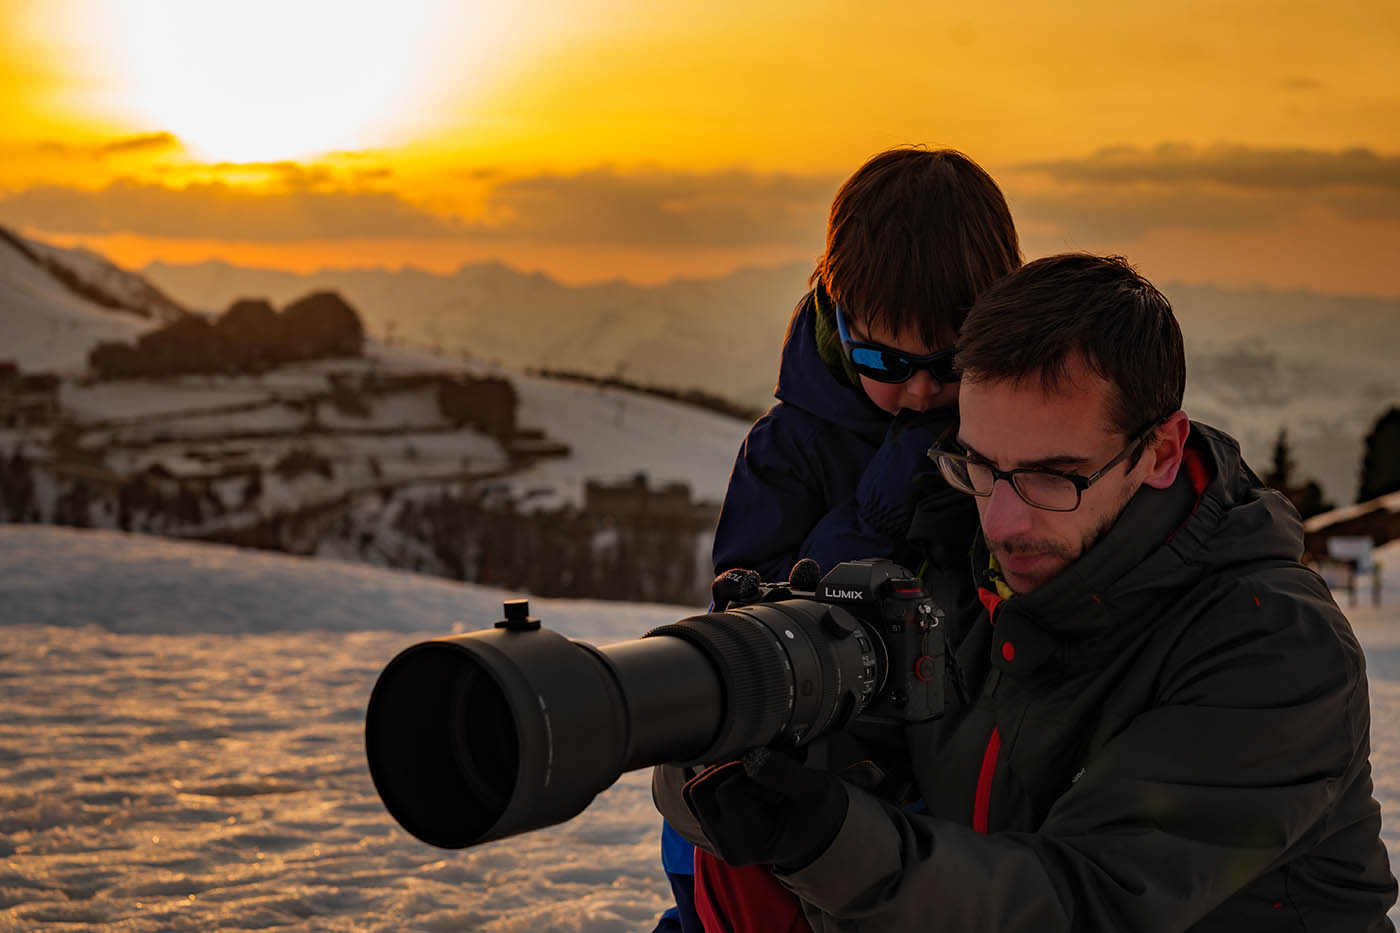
(1043, 490)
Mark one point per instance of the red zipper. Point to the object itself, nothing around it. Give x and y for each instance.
(992, 600)
(983, 803)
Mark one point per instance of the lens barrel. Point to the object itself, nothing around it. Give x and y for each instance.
(484, 735)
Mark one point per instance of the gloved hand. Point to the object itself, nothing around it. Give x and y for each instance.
(767, 809)
(886, 494)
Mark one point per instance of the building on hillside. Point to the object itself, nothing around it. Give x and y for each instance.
(1377, 519)
(27, 400)
(1339, 543)
(487, 403)
(634, 499)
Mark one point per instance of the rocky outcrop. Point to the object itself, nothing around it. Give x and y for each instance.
(249, 337)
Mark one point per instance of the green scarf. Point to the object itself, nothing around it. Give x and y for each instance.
(829, 341)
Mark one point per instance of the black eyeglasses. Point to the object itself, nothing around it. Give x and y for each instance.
(887, 364)
(1042, 489)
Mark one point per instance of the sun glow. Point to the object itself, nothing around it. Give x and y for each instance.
(263, 80)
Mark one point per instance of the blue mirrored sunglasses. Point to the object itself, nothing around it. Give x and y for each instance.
(887, 364)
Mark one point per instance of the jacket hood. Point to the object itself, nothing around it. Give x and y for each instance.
(805, 382)
(1216, 515)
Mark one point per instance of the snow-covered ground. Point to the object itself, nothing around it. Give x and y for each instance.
(181, 748)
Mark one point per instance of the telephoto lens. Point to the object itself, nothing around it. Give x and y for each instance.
(479, 736)
(484, 735)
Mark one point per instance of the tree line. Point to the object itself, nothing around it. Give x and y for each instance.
(1380, 468)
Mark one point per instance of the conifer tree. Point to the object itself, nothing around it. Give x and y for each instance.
(1380, 465)
(1280, 475)
(1306, 495)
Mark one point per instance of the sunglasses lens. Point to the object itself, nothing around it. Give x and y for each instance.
(880, 365)
(945, 370)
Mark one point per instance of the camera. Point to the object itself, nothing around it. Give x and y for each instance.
(484, 735)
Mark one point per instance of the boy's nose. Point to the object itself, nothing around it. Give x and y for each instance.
(920, 388)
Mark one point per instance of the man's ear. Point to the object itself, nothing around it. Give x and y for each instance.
(1165, 450)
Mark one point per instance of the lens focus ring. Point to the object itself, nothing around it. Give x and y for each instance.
(757, 680)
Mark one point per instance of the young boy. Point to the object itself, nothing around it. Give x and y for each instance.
(866, 384)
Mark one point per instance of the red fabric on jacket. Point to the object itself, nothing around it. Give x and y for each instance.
(747, 899)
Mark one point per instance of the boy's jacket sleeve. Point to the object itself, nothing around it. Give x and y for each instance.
(796, 491)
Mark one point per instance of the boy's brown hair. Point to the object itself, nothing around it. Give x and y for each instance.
(913, 237)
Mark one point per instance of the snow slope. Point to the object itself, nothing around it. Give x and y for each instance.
(44, 324)
(180, 748)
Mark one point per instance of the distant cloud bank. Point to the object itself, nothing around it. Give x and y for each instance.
(144, 143)
(1124, 192)
(1236, 166)
(1328, 220)
(604, 206)
(219, 211)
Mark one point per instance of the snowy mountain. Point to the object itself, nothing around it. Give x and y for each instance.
(1321, 366)
(720, 335)
(94, 277)
(56, 303)
(398, 457)
(181, 748)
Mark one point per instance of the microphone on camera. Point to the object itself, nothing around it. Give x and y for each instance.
(805, 576)
(734, 586)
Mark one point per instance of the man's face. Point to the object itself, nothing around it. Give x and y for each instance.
(918, 393)
(1018, 425)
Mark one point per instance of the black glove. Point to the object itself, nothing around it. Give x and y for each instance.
(767, 809)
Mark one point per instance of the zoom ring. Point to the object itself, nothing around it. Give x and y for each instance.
(757, 684)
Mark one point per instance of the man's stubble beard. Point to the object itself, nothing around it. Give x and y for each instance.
(1064, 551)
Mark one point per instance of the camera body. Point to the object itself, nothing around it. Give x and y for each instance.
(900, 629)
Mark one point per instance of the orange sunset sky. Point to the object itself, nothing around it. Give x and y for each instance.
(1236, 143)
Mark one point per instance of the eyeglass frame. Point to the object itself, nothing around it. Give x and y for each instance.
(916, 362)
(936, 452)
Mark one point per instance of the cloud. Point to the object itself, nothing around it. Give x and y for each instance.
(127, 145)
(732, 208)
(150, 142)
(1231, 165)
(1110, 215)
(1122, 193)
(220, 211)
(650, 208)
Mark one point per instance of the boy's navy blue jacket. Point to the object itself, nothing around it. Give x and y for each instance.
(825, 474)
(793, 492)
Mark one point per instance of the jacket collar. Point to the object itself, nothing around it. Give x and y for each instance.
(805, 381)
(1214, 514)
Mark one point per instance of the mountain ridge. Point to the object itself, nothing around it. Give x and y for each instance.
(1319, 365)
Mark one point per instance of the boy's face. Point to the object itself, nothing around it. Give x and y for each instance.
(919, 393)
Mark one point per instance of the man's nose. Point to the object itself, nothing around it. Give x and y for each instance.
(1006, 514)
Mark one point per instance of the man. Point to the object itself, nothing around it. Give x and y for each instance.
(1161, 720)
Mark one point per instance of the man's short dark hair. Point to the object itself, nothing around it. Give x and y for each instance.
(913, 237)
(1035, 320)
